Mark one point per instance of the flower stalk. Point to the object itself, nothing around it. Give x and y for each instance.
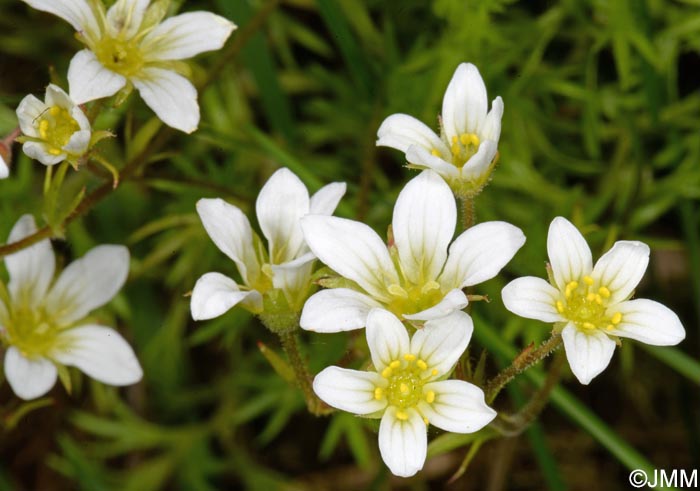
(290, 345)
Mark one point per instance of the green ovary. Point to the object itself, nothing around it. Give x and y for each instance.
(31, 332)
(587, 306)
(405, 380)
(56, 126)
(409, 298)
(122, 56)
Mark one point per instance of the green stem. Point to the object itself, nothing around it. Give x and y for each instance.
(468, 212)
(290, 344)
(522, 362)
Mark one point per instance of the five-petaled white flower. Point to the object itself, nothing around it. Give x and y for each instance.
(408, 389)
(414, 278)
(45, 325)
(465, 152)
(593, 303)
(128, 44)
(54, 130)
(285, 265)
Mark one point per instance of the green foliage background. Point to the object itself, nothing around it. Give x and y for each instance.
(601, 125)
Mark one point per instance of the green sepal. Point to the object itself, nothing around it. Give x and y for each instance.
(98, 136)
(277, 363)
(64, 377)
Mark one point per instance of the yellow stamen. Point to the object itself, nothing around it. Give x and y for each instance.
(604, 292)
(403, 388)
(409, 357)
(465, 138)
(430, 397)
(616, 318)
(422, 365)
(431, 285)
(588, 325)
(598, 300)
(386, 373)
(54, 110)
(397, 291)
(434, 372)
(395, 364)
(588, 280)
(560, 306)
(425, 420)
(435, 152)
(610, 327)
(401, 415)
(378, 393)
(43, 128)
(454, 140)
(590, 297)
(54, 151)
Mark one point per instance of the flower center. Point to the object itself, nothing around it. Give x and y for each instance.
(410, 298)
(31, 331)
(406, 379)
(587, 306)
(463, 147)
(122, 56)
(56, 126)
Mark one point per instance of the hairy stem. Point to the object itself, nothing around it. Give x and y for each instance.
(468, 212)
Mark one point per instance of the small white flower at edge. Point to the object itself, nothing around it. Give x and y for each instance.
(131, 44)
(54, 130)
(287, 262)
(43, 322)
(407, 388)
(465, 151)
(593, 303)
(4, 169)
(415, 277)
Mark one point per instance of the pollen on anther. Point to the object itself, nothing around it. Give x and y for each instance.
(422, 365)
(590, 297)
(435, 152)
(54, 151)
(409, 357)
(403, 388)
(395, 364)
(43, 128)
(588, 280)
(616, 318)
(403, 416)
(54, 110)
(604, 292)
(386, 373)
(430, 397)
(610, 327)
(434, 372)
(378, 393)
(425, 420)
(560, 306)
(588, 325)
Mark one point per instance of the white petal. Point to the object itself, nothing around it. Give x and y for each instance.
(325, 200)
(442, 341)
(621, 268)
(78, 143)
(532, 298)
(349, 390)
(282, 201)
(403, 444)
(88, 283)
(353, 250)
(588, 353)
(454, 300)
(386, 337)
(335, 310)
(569, 254)
(230, 230)
(29, 378)
(214, 294)
(77, 13)
(38, 151)
(31, 269)
(100, 352)
(464, 105)
(171, 96)
(56, 96)
(419, 156)
(425, 216)
(88, 79)
(29, 110)
(186, 35)
(492, 125)
(125, 16)
(4, 169)
(480, 162)
(458, 407)
(400, 131)
(294, 279)
(479, 253)
(649, 322)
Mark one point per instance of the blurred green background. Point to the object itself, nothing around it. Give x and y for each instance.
(601, 125)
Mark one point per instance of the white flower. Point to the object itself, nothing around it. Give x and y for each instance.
(593, 303)
(415, 278)
(407, 389)
(128, 44)
(285, 265)
(4, 169)
(55, 130)
(44, 324)
(464, 153)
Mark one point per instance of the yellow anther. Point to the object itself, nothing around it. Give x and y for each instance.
(395, 364)
(403, 416)
(434, 372)
(475, 140)
(409, 357)
(54, 111)
(425, 420)
(43, 128)
(610, 327)
(435, 152)
(598, 300)
(616, 318)
(378, 393)
(465, 138)
(403, 388)
(431, 285)
(430, 397)
(590, 297)
(588, 280)
(422, 365)
(397, 291)
(560, 306)
(454, 140)
(571, 286)
(604, 292)
(386, 373)
(588, 325)
(54, 151)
